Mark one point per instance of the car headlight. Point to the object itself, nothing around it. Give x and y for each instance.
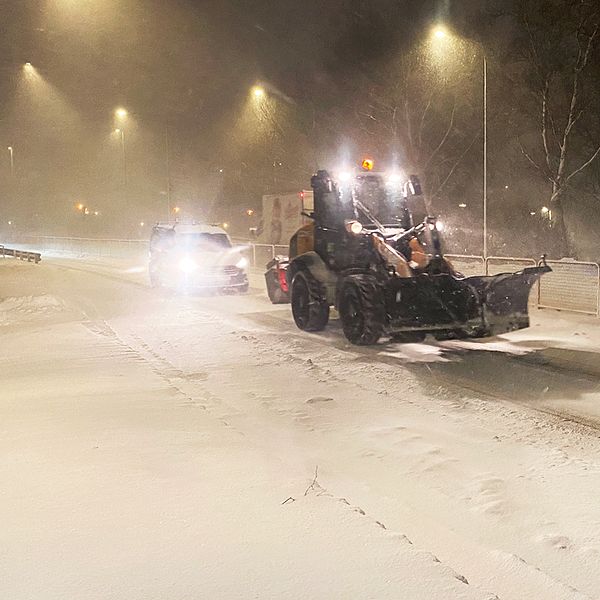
(242, 263)
(187, 265)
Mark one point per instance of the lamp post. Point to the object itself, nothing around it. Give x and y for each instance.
(121, 116)
(12, 161)
(485, 159)
(121, 133)
(441, 33)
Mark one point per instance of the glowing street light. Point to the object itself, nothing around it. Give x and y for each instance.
(176, 210)
(440, 32)
(121, 114)
(11, 153)
(250, 212)
(258, 91)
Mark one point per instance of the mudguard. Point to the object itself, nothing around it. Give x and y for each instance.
(312, 262)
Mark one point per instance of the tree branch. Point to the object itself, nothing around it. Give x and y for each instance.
(448, 131)
(455, 166)
(584, 166)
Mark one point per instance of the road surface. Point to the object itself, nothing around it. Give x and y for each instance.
(156, 445)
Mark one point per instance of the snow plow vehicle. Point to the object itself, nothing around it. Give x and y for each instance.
(195, 256)
(374, 254)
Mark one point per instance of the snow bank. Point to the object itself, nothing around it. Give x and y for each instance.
(26, 308)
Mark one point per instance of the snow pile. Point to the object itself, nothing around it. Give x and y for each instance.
(25, 308)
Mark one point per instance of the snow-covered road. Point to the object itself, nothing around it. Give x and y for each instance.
(170, 447)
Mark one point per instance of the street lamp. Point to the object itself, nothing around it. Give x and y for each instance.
(258, 91)
(12, 161)
(441, 33)
(121, 116)
(121, 133)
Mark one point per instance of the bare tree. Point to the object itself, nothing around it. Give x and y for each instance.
(561, 56)
(411, 109)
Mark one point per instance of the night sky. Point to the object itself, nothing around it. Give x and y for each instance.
(184, 70)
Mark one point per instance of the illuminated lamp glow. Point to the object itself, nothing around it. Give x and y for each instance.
(368, 164)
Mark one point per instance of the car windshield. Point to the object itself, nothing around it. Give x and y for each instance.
(203, 241)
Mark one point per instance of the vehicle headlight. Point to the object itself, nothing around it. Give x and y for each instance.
(242, 263)
(187, 265)
(354, 227)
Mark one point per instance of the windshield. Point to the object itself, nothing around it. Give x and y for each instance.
(203, 241)
(382, 201)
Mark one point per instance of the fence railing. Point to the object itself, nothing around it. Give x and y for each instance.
(572, 286)
(35, 257)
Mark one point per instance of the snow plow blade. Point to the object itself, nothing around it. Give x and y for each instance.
(504, 299)
(480, 306)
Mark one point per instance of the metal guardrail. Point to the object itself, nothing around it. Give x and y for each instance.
(572, 286)
(466, 264)
(34, 257)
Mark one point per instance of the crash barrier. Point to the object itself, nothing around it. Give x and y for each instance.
(34, 257)
(87, 247)
(572, 286)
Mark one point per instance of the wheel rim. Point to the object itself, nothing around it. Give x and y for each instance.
(354, 321)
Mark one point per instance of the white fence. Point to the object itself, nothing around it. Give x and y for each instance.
(572, 286)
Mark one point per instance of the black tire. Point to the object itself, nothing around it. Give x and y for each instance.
(409, 337)
(362, 310)
(309, 306)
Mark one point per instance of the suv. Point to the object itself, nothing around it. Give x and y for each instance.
(196, 257)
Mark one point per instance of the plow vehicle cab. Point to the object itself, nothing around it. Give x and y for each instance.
(375, 255)
(196, 256)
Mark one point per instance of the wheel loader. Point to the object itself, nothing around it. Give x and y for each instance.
(373, 253)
